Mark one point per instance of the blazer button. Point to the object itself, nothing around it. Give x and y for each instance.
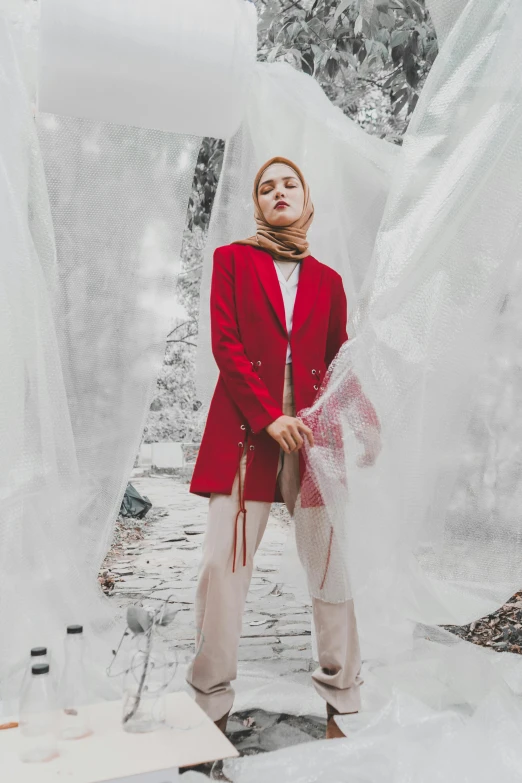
(258, 363)
(314, 372)
(316, 386)
(240, 444)
(243, 427)
(252, 448)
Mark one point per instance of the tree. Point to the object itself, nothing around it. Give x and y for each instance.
(350, 46)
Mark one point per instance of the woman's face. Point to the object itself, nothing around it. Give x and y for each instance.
(280, 195)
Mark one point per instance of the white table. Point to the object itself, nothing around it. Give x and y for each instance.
(111, 754)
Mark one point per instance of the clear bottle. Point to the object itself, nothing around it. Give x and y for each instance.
(37, 655)
(38, 719)
(73, 693)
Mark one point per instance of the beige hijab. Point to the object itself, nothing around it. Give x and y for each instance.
(285, 242)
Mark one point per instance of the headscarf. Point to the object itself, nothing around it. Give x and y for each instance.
(285, 242)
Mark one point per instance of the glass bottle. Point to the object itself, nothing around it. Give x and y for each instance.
(38, 720)
(73, 693)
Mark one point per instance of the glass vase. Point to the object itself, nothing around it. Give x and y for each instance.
(144, 702)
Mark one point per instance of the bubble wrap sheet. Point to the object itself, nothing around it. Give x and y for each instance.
(431, 534)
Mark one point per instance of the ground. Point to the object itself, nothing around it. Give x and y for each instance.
(157, 558)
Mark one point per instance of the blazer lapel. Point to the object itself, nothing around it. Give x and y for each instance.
(266, 271)
(310, 276)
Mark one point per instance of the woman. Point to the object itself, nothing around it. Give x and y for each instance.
(278, 318)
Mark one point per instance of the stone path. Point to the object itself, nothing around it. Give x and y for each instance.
(276, 626)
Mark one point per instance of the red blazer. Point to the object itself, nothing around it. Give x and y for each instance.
(249, 342)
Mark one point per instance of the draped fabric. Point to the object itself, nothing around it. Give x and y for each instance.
(92, 222)
(431, 534)
(427, 240)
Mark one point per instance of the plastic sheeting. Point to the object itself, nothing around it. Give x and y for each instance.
(435, 520)
(431, 534)
(432, 530)
(90, 255)
(436, 351)
(171, 65)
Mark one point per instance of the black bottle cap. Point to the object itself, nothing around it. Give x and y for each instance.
(75, 629)
(40, 668)
(37, 651)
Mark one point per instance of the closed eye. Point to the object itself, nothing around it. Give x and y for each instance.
(264, 192)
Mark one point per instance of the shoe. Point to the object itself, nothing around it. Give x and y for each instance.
(332, 729)
(222, 722)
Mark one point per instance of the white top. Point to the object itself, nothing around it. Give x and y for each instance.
(289, 291)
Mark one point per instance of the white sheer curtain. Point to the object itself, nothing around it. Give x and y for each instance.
(92, 220)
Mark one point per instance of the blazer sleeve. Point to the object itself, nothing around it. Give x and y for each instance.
(245, 387)
(365, 414)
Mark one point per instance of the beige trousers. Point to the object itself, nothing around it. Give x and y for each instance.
(221, 596)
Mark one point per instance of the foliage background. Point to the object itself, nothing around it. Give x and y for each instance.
(371, 57)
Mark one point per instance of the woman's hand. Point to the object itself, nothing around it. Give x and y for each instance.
(286, 430)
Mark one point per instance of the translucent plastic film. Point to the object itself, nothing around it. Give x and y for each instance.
(172, 65)
(83, 338)
(431, 532)
(434, 523)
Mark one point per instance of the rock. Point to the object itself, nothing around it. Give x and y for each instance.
(260, 719)
(282, 735)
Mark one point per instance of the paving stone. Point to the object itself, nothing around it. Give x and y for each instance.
(255, 652)
(297, 618)
(293, 629)
(260, 630)
(174, 539)
(140, 584)
(249, 640)
(296, 654)
(183, 596)
(297, 641)
(259, 592)
(165, 563)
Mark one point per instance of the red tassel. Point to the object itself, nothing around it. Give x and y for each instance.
(327, 559)
(235, 542)
(242, 510)
(244, 536)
